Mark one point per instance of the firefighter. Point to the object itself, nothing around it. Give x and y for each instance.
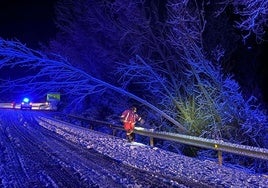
(129, 118)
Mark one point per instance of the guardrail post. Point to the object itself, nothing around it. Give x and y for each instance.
(114, 130)
(219, 154)
(151, 141)
(220, 157)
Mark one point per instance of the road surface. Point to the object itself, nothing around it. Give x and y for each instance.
(32, 156)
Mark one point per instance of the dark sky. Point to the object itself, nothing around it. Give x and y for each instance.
(29, 21)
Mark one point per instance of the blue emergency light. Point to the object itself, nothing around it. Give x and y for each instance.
(26, 100)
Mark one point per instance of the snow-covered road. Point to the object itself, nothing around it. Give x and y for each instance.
(32, 156)
(39, 152)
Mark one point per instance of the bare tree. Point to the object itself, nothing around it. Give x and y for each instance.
(212, 110)
(169, 60)
(116, 31)
(56, 73)
(253, 15)
(167, 56)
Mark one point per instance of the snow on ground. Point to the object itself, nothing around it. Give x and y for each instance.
(33, 156)
(174, 167)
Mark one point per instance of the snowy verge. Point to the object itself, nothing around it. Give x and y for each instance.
(155, 160)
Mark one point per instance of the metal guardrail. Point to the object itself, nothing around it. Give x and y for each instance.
(218, 145)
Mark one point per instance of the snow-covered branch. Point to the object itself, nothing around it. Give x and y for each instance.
(57, 74)
(253, 16)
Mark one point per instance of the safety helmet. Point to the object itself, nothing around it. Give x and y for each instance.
(133, 108)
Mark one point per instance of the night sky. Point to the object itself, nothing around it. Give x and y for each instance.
(29, 21)
(32, 21)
